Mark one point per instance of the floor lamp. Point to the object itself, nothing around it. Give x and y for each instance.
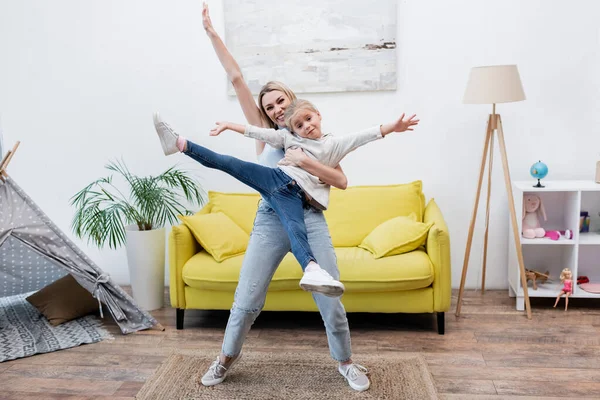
(492, 85)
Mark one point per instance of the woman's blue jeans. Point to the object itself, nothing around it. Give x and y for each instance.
(267, 246)
(281, 191)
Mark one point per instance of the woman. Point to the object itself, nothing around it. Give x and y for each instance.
(269, 244)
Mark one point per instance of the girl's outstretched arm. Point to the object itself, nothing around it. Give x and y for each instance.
(234, 73)
(274, 137)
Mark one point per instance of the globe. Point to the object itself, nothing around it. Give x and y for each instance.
(539, 170)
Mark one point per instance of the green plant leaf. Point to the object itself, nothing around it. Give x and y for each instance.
(102, 211)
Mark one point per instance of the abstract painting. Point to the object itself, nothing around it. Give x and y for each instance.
(314, 45)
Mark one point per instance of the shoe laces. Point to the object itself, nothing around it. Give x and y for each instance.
(354, 371)
(217, 369)
(168, 128)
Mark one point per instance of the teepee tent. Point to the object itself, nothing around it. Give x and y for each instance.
(35, 253)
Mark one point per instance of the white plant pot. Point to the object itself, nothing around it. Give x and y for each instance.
(146, 261)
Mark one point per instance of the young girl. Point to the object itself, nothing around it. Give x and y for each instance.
(288, 189)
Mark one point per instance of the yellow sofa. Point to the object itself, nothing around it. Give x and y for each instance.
(418, 281)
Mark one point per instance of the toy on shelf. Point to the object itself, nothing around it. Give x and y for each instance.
(566, 278)
(582, 279)
(532, 206)
(534, 276)
(584, 222)
(555, 235)
(539, 170)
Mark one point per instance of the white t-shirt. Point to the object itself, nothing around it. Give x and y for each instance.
(270, 156)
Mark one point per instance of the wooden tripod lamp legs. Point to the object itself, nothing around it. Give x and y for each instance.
(487, 212)
(494, 124)
(513, 215)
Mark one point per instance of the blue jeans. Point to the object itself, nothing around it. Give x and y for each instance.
(282, 192)
(267, 246)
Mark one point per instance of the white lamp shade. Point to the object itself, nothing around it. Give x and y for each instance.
(494, 84)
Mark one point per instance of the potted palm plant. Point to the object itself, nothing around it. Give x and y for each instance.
(106, 216)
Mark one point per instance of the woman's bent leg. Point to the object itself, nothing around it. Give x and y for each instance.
(267, 247)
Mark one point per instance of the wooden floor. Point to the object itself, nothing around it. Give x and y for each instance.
(490, 352)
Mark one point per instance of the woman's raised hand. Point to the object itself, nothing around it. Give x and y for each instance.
(206, 22)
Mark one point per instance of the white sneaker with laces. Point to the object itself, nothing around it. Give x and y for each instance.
(166, 134)
(356, 375)
(319, 281)
(217, 372)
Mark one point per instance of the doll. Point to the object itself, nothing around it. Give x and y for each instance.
(532, 206)
(566, 278)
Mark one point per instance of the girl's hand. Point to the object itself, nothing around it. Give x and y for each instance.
(216, 131)
(293, 157)
(206, 22)
(400, 125)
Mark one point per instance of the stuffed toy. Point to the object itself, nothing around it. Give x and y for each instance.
(532, 206)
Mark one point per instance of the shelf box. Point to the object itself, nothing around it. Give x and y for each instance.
(590, 202)
(563, 201)
(588, 265)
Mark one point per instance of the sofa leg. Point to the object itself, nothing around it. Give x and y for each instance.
(441, 322)
(180, 312)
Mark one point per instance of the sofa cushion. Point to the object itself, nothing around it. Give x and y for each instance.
(240, 207)
(359, 270)
(353, 213)
(396, 236)
(217, 234)
(362, 272)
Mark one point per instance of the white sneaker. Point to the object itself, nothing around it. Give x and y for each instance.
(166, 134)
(319, 281)
(356, 375)
(217, 372)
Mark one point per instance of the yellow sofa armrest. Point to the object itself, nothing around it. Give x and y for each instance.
(182, 246)
(438, 249)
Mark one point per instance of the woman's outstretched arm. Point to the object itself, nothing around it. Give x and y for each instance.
(331, 176)
(234, 73)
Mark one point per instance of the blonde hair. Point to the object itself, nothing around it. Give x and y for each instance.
(294, 108)
(269, 87)
(563, 274)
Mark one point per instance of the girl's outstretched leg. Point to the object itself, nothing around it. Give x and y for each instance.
(260, 178)
(166, 134)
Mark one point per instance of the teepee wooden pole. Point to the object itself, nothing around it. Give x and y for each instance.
(9, 155)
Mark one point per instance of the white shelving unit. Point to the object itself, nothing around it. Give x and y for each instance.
(563, 201)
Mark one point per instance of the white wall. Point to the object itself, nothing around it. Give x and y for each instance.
(80, 80)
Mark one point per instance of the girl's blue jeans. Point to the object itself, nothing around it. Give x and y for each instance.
(281, 192)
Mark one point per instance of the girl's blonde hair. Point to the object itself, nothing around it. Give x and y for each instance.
(294, 108)
(563, 274)
(269, 87)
